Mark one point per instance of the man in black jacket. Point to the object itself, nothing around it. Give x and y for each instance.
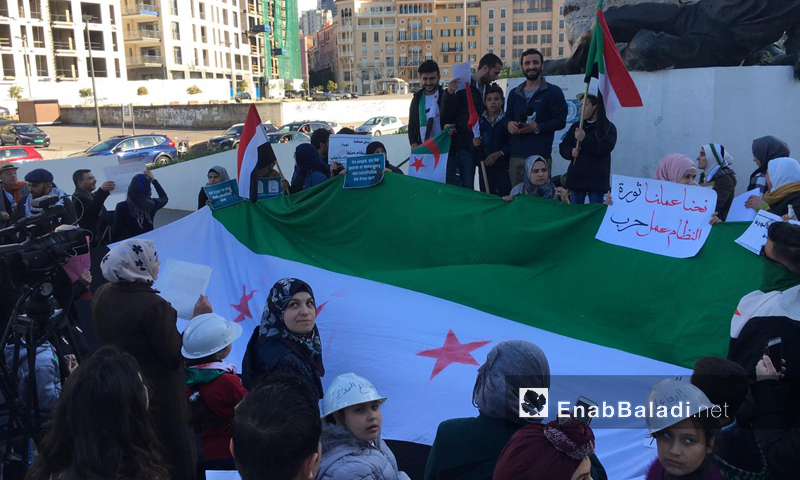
(462, 152)
(89, 207)
(590, 164)
(425, 114)
(40, 182)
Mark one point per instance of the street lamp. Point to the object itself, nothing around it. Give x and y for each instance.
(233, 77)
(26, 62)
(86, 19)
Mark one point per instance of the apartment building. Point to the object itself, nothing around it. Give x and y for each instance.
(458, 35)
(323, 59)
(50, 40)
(282, 39)
(312, 21)
(510, 27)
(253, 34)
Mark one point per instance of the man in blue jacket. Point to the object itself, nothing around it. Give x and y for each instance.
(536, 110)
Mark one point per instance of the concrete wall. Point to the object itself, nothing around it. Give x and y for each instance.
(684, 109)
(182, 181)
(345, 111)
(205, 116)
(117, 91)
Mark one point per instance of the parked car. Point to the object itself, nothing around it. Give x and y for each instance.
(337, 94)
(229, 138)
(295, 94)
(23, 134)
(380, 126)
(18, 153)
(335, 126)
(269, 127)
(4, 112)
(288, 137)
(242, 96)
(324, 97)
(345, 95)
(150, 148)
(308, 127)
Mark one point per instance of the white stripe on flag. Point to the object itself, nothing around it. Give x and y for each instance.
(250, 160)
(610, 100)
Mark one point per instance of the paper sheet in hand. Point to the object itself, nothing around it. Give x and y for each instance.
(664, 218)
(740, 213)
(122, 174)
(181, 284)
(342, 146)
(462, 72)
(755, 236)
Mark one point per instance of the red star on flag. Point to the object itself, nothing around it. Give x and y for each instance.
(418, 163)
(452, 351)
(242, 307)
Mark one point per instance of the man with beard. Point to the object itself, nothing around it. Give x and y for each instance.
(456, 107)
(424, 117)
(89, 203)
(536, 110)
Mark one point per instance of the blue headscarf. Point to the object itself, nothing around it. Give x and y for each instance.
(139, 202)
(307, 160)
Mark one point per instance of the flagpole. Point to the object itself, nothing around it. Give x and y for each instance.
(485, 178)
(583, 110)
(278, 164)
(404, 162)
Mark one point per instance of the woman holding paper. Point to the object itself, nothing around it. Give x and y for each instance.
(135, 215)
(288, 338)
(783, 188)
(215, 175)
(129, 314)
(765, 149)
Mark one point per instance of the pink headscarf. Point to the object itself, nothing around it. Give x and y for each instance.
(672, 167)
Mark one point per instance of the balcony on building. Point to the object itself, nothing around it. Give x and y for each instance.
(5, 36)
(61, 14)
(144, 61)
(95, 41)
(99, 65)
(95, 11)
(66, 68)
(144, 33)
(4, 8)
(64, 42)
(140, 9)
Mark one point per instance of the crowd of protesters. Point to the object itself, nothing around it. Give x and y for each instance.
(153, 403)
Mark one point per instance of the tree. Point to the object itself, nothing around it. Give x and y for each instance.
(242, 86)
(14, 92)
(318, 88)
(332, 85)
(304, 86)
(193, 90)
(507, 72)
(85, 92)
(142, 91)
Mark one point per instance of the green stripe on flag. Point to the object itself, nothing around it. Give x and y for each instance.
(533, 261)
(594, 62)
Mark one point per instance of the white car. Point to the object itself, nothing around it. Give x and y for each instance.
(380, 126)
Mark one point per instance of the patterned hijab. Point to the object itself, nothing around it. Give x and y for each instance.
(273, 328)
(131, 261)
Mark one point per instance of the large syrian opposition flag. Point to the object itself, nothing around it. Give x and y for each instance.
(616, 88)
(415, 282)
(254, 153)
(429, 160)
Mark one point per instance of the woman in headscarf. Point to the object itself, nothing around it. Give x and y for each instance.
(537, 182)
(559, 450)
(717, 174)
(378, 147)
(135, 215)
(309, 168)
(288, 338)
(467, 448)
(215, 175)
(783, 188)
(129, 314)
(765, 149)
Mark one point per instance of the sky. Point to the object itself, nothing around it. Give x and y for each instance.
(303, 5)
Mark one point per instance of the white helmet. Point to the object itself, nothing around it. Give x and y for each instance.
(346, 390)
(674, 394)
(207, 334)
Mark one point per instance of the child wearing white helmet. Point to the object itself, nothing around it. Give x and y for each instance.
(684, 422)
(214, 389)
(352, 447)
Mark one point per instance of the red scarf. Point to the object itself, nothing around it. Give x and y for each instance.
(14, 190)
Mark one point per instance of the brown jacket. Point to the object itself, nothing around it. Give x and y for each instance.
(136, 319)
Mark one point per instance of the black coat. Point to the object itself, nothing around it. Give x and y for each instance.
(125, 226)
(782, 208)
(413, 116)
(91, 212)
(68, 218)
(592, 170)
(725, 186)
(456, 112)
(202, 198)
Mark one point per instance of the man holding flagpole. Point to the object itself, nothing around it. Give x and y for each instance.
(424, 117)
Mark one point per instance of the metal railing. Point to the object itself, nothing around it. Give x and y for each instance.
(144, 60)
(5, 42)
(61, 17)
(63, 45)
(67, 73)
(143, 34)
(141, 9)
(3, 12)
(95, 45)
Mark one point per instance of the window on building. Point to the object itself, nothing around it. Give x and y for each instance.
(560, 38)
(389, 49)
(117, 71)
(502, 27)
(547, 38)
(376, 37)
(502, 13)
(38, 37)
(376, 50)
(532, 39)
(502, 40)
(503, 53)
(41, 65)
(390, 62)
(176, 52)
(533, 26)
(547, 25)
(491, 41)
(473, 45)
(491, 13)
(547, 52)
(389, 36)
(491, 27)
(444, 19)
(363, 50)
(561, 23)
(561, 10)
(225, 17)
(113, 19)
(363, 37)
(235, 19)
(446, 58)
(560, 51)
(176, 32)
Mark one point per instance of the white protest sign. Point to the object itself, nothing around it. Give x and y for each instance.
(740, 213)
(755, 236)
(181, 284)
(664, 218)
(461, 71)
(342, 146)
(122, 174)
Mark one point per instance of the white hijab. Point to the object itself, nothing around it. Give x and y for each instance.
(783, 171)
(717, 157)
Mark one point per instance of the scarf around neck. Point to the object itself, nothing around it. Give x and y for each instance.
(30, 210)
(15, 190)
(717, 159)
(784, 175)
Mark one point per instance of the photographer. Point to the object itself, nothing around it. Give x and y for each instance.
(40, 182)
